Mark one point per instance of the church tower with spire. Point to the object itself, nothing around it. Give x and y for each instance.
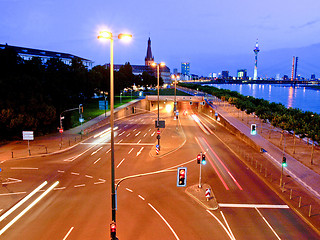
(149, 58)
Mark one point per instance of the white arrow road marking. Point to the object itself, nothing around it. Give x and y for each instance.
(138, 153)
(13, 180)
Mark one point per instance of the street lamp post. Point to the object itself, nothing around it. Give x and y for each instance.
(175, 78)
(108, 35)
(158, 65)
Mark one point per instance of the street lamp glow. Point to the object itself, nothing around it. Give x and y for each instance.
(125, 37)
(105, 35)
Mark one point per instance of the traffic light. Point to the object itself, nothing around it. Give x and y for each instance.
(284, 161)
(113, 229)
(80, 108)
(182, 177)
(253, 129)
(203, 161)
(198, 158)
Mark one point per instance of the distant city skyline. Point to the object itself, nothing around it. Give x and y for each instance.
(213, 36)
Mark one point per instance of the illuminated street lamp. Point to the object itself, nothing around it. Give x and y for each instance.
(105, 35)
(158, 65)
(175, 77)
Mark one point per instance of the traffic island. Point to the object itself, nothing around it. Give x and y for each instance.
(200, 195)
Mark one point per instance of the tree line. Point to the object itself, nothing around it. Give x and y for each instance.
(33, 93)
(298, 122)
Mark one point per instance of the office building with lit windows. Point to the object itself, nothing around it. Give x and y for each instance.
(185, 68)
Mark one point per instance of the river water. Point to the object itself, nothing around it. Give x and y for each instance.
(304, 98)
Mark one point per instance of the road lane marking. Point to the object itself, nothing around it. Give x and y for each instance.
(96, 151)
(88, 176)
(225, 220)
(145, 134)
(121, 133)
(61, 188)
(28, 208)
(96, 160)
(108, 151)
(73, 173)
(134, 130)
(141, 197)
(268, 224)
(102, 180)
(80, 185)
(149, 130)
(153, 134)
(68, 233)
(60, 171)
(14, 193)
(1, 210)
(129, 190)
(234, 205)
(138, 153)
(130, 151)
(120, 141)
(176, 236)
(120, 162)
(128, 134)
(225, 229)
(137, 133)
(98, 182)
(22, 201)
(24, 168)
(139, 141)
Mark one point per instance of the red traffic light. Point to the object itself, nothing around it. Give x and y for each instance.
(198, 158)
(113, 229)
(182, 177)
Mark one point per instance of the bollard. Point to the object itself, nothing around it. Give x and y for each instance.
(261, 167)
(266, 172)
(29, 152)
(75, 139)
(256, 163)
(291, 193)
(283, 187)
(299, 202)
(69, 142)
(46, 150)
(12, 154)
(310, 211)
(270, 177)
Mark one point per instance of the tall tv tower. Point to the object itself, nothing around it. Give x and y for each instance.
(256, 51)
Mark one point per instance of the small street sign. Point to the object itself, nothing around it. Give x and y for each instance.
(61, 130)
(27, 135)
(103, 105)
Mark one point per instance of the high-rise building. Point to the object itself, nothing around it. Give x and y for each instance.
(313, 77)
(242, 74)
(185, 68)
(256, 50)
(225, 75)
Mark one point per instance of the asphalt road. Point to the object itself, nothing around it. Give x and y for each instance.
(149, 203)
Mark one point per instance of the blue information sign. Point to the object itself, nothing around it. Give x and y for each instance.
(103, 105)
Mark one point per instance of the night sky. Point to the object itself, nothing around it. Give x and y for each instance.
(213, 35)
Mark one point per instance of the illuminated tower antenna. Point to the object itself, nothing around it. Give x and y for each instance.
(256, 51)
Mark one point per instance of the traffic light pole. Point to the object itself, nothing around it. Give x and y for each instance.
(158, 77)
(200, 176)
